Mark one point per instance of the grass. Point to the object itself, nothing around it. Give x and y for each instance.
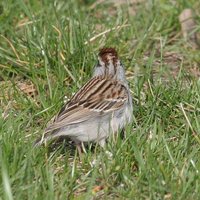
(48, 50)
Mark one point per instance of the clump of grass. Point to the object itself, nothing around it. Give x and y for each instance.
(48, 50)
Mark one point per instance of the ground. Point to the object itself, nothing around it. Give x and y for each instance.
(48, 50)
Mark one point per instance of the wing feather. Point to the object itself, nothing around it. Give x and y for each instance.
(99, 96)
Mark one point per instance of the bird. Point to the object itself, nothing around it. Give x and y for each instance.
(99, 109)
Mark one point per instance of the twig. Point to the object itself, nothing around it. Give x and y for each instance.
(58, 31)
(104, 32)
(18, 61)
(188, 121)
(26, 23)
(11, 45)
(96, 3)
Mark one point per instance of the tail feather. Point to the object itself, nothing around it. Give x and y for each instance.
(46, 136)
(40, 141)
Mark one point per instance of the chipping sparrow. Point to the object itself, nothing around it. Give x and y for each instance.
(101, 107)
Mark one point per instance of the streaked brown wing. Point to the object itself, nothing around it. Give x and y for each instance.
(97, 97)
